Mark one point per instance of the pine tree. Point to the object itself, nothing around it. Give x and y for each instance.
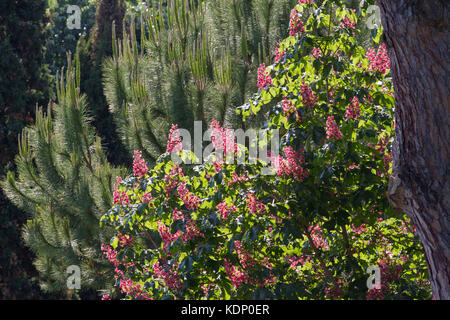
(192, 60)
(65, 183)
(24, 80)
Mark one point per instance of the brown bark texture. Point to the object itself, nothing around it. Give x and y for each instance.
(416, 33)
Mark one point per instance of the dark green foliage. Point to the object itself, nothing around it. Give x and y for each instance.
(92, 51)
(61, 39)
(57, 184)
(189, 61)
(16, 270)
(107, 12)
(24, 81)
(93, 42)
(65, 183)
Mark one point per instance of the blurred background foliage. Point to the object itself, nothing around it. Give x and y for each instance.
(24, 81)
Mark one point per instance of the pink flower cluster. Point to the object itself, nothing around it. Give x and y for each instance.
(332, 129)
(279, 55)
(168, 275)
(177, 214)
(171, 180)
(174, 143)
(190, 200)
(390, 273)
(225, 210)
(346, 22)
(382, 143)
(139, 166)
(255, 206)
(125, 239)
(390, 270)
(305, 1)
(237, 276)
(222, 138)
(146, 197)
(191, 231)
(289, 108)
(245, 259)
(316, 235)
(308, 97)
(316, 53)
(379, 61)
(206, 288)
(290, 166)
(166, 236)
(126, 285)
(111, 254)
(359, 230)
(236, 178)
(295, 261)
(353, 110)
(375, 294)
(295, 24)
(264, 79)
(270, 280)
(218, 165)
(120, 197)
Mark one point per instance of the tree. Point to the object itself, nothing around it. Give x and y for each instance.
(224, 230)
(191, 61)
(64, 182)
(417, 36)
(24, 81)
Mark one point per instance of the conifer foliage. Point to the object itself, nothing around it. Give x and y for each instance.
(64, 182)
(192, 60)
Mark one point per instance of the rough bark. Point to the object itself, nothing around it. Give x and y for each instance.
(417, 36)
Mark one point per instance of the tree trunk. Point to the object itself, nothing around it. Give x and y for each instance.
(417, 37)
